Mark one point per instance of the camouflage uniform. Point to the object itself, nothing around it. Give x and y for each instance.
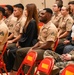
(57, 58)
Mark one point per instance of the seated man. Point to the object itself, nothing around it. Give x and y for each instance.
(10, 20)
(3, 29)
(47, 37)
(61, 61)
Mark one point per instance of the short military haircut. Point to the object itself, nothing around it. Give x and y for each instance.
(2, 10)
(19, 6)
(71, 2)
(9, 7)
(48, 10)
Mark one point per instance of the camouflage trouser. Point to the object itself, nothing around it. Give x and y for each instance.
(58, 62)
(53, 55)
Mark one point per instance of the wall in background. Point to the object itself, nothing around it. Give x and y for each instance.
(40, 3)
(43, 3)
(12, 2)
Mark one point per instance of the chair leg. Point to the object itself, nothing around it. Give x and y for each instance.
(5, 69)
(1, 72)
(20, 72)
(35, 72)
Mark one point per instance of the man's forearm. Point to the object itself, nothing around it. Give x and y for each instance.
(11, 36)
(64, 35)
(17, 38)
(46, 45)
(36, 45)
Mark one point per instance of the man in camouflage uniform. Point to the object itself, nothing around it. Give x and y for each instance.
(61, 61)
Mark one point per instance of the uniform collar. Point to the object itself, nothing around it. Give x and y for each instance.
(20, 19)
(66, 16)
(47, 24)
(10, 16)
(59, 14)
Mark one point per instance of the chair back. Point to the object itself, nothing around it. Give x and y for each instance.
(2, 64)
(46, 66)
(40, 24)
(29, 60)
(69, 70)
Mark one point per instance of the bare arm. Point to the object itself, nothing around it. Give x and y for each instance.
(17, 38)
(46, 45)
(65, 34)
(11, 36)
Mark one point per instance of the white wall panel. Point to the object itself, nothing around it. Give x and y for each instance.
(12, 2)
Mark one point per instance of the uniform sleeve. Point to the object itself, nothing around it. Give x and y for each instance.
(69, 25)
(3, 35)
(52, 34)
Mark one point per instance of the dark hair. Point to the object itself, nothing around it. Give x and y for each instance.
(60, 1)
(32, 13)
(19, 6)
(2, 10)
(71, 2)
(10, 8)
(48, 10)
(59, 5)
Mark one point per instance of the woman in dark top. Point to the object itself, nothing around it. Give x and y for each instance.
(30, 32)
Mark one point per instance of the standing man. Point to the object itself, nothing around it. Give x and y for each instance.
(3, 29)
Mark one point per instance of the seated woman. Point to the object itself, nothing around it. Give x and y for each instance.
(65, 27)
(29, 36)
